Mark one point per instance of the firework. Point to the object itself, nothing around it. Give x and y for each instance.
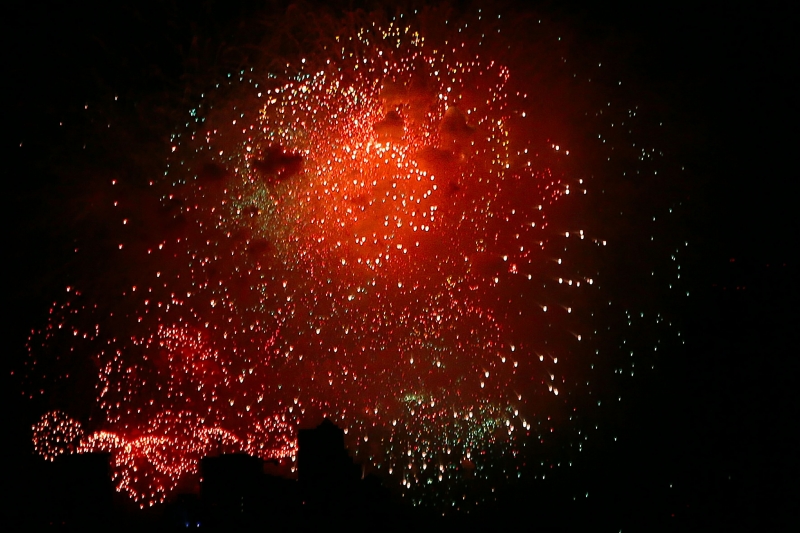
(56, 434)
(379, 233)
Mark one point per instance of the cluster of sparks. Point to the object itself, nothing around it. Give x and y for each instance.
(56, 434)
(366, 237)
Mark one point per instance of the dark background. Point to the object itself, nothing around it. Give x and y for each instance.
(710, 442)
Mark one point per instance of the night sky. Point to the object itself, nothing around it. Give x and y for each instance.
(539, 264)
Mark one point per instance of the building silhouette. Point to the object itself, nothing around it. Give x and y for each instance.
(322, 458)
(235, 491)
(332, 486)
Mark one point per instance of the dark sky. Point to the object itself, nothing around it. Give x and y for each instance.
(716, 421)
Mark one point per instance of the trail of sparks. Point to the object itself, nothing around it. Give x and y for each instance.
(366, 237)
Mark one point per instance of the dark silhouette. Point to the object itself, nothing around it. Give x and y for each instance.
(322, 460)
(243, 492)
(234, 490)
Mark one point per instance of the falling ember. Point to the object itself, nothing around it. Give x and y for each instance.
(381, 233)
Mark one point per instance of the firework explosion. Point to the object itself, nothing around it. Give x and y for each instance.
(382, 233)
